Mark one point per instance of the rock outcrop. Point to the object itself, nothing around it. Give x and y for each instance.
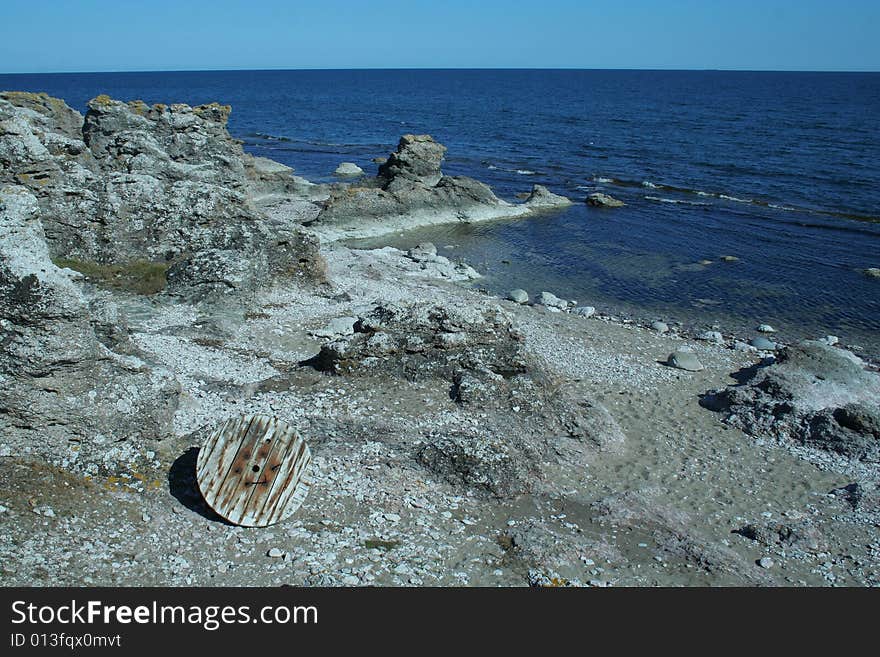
(813, 393)
(65, 394)
(411, 190)
(477, 356)
(164, 184)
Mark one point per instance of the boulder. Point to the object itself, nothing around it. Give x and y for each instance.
(552, 301)
(541, 197)
(518, 296)
(684, 360)
(762, 344)
(711, 336)
(812, 393)
(416, 160)
(600, 200)
(348, 169)
(584, 311)
(660, 327)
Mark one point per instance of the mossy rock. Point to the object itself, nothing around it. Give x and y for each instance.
(139, 276)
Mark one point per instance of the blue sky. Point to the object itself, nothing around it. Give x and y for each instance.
(120, 35)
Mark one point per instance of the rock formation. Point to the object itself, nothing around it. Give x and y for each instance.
(71, 390)
(411, 190)
(161, 184)
(475, 354)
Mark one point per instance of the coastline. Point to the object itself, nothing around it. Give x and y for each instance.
(458, 438)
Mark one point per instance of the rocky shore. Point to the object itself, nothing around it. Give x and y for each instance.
(155, 280)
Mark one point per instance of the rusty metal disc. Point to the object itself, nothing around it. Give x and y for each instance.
(254, 470)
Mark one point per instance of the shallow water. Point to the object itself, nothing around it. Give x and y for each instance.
(778, 169)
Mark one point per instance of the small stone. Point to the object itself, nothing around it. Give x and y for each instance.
(275, 553)
(660, 327)
(518, 295)
(145, 517)
(585, 311)
(762, 344)
(685, 360)
(765, 562)
(392, 517)
(742, 346)
(873, 272)
(830, 340)
(729, 258)
(765, 328)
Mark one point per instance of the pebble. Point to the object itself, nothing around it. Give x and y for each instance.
(765, 562)
(660, 327)
(729, 258)
(766, 328)
(275, 553)
(585, 311)
(684, 360)
(830, 340)
(391, 517)
(518, 295)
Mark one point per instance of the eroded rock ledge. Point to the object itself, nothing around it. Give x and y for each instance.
(410, 190)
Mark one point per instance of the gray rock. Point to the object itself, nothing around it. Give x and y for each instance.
(814, 394)
(762, 344)
(275, 553)
(59, 383)
(423, 251)
(873, 272)
(765, 562)
(800, 535)
(685, 360)
(416, 160)
(765, 328)
(830, 340)
(600, 200)
(518, 295)
(711, 336)
(660, 327)
(552, 301)
(155, 185)
(541, 197)
(337, 326)
(729, 258)
(585, 311)
(348, 169)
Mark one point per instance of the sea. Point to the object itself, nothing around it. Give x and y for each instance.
(779, 170)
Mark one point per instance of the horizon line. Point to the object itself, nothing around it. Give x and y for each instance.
(445, 68)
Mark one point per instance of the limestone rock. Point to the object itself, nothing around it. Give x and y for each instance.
(541, 197)
(600, 200)
(685, 360)
(518, 296)
(348, 169)
(64, 395)
(813, 393)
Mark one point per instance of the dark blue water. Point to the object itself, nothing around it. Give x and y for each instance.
(781, 170)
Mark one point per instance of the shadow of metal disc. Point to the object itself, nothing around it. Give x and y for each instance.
(254, 470)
